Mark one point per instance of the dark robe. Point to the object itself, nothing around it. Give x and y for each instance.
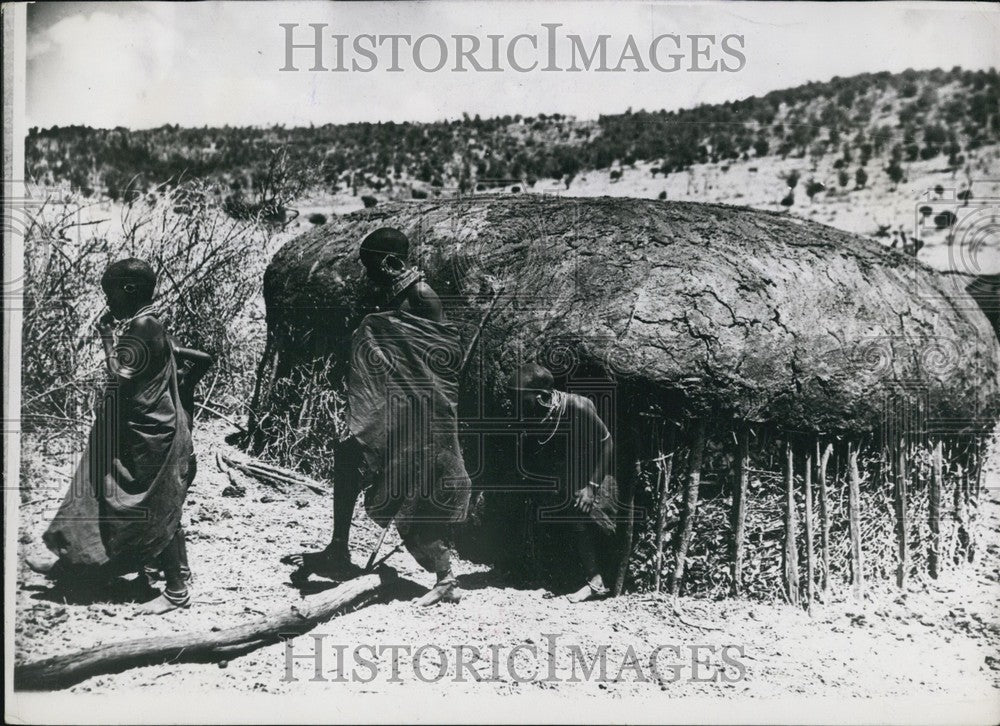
(403, 401)
(124, 504)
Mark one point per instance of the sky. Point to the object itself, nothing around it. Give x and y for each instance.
(142, 65)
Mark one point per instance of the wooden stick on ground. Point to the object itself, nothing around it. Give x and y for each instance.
(854, 517)
(221, 415)
(810, 565)
(791, 552)
(739, 514)
(690, 506)
(824, 515)
(65, 670)
(934, 513)
(666, 466)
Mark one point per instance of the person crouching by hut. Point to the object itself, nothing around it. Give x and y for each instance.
(402, 449)
(123, 508)
(563, 439)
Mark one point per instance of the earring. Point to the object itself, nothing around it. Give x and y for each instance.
(392, 265)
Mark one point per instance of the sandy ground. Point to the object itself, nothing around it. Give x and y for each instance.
(937, 639)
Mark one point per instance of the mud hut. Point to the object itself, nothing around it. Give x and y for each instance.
(682, 318)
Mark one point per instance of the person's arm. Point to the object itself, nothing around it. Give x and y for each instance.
(198, 361)
(424, 302)
(601, 439)
(137, 353)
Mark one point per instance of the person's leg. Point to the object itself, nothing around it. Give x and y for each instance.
(583, 537)
(175, 594)
(428, 543)
(334, 561)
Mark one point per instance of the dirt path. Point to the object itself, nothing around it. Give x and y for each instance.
(938, 638)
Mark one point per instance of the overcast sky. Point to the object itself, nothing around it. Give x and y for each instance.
(145, 64)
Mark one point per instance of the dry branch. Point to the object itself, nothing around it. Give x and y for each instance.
(791, 552)
(65, 670)
(903, 518)
(665, 463)
(854, 516)
(810, 565)
(934, 512)
(824, 513)
(273, 475)
(691, 505)
(739, 506)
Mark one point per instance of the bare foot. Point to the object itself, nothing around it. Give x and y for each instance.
(591, 591)
(42, 565)
(322, 563)
(445, 591)
(166, 602)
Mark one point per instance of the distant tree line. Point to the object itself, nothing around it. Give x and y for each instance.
(902, 117)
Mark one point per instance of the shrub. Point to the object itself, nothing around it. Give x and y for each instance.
(418, 193)
(945, 219)
(317, 218)
(369, 201)
(662, 195)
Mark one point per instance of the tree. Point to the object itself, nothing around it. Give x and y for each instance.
(860, 178)
(895, 171)
(813, 188)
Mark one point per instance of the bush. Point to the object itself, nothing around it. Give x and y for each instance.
(945, 219)
(418, 193)
(317, 218)
(369, 201)
(662, 195)
(860, 178)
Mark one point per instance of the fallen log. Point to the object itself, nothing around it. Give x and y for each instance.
(197, 647)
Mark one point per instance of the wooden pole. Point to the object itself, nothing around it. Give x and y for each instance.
(824, 514)
(810, 565)
(934, 513)
(854, 516)
(791, 548)
(626, 552)
(903, 570)
(666, 466)
(690, 506)
(739, 514)
(65, 670)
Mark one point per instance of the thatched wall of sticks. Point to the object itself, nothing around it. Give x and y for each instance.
(725, 329)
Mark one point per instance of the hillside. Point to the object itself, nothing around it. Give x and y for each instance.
(911, 116)
(903, 158)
